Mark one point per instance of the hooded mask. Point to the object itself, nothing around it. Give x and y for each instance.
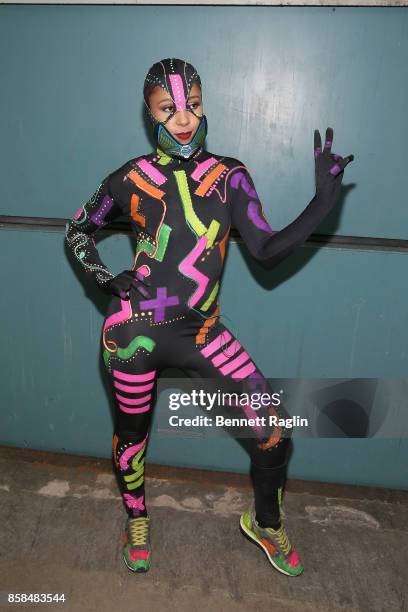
(176, 77)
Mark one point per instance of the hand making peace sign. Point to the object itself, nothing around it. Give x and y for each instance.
(328, 166)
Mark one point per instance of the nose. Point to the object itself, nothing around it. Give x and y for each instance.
(182, 117)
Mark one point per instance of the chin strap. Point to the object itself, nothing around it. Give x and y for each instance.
(170, 146)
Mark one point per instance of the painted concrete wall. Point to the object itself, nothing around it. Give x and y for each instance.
(71, 112)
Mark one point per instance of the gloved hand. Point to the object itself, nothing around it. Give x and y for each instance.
(121, 284)
(328, 166)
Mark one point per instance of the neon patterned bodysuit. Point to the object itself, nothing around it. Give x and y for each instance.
(182, 211)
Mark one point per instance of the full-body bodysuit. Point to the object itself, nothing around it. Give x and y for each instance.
(182, 211)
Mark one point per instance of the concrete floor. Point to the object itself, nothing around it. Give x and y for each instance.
(61, 527)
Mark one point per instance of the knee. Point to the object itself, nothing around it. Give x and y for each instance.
(272, 457)
(132, 428)
(130, 437)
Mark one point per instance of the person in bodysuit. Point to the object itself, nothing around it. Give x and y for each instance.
(182, 201)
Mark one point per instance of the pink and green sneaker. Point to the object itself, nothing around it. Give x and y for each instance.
(136, 550)
(274, 542)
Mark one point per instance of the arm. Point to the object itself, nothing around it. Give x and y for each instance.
(97, 212)
(248, 215)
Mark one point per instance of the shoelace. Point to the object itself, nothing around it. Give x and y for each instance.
(139, 528)
(281, 536)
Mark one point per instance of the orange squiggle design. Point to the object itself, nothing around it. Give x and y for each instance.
(202, 334)
(121, 315)
(224, 199)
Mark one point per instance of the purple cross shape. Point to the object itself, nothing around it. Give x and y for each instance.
(159, 304)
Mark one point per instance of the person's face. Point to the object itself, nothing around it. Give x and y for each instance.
(183, 123)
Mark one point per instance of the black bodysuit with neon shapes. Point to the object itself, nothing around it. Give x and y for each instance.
(182, 206)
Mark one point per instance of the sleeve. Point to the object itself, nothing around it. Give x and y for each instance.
(97, 212)
(265, 245)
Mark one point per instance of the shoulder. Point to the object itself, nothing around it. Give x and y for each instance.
(229, 162)
(233, 162)
(122, 171)
(234, 169)
(238, 173)
(117, 178)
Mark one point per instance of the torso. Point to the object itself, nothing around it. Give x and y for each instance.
(181, 213)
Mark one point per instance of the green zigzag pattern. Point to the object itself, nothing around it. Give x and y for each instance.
(129, 350)
(163, 238)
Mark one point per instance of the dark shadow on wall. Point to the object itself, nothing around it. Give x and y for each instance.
(269, 279)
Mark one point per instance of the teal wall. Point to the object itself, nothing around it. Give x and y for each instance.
(71, 112)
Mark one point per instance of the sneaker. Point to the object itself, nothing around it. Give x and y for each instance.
(136, 550)
(274, 542)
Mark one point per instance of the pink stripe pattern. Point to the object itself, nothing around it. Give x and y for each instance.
(134, 377)
(140, 383)
(151, 171)
(132, 388)
(245, 371)
(134, 401)
(224, 353)
(178, 91)
(227, 352)
(216, 344)
(134, 410)
(203, 167)
(234, 363)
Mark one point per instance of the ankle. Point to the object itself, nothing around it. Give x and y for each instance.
(268, 524)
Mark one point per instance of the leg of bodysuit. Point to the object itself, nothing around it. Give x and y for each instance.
(130, 350)
(216, 354)
(134, 394)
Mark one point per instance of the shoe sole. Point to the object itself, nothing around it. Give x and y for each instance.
(253, 538)
(136, 571)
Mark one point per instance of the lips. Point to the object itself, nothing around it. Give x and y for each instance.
(184, 135)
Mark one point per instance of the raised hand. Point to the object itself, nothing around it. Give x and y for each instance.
(329, 167)
(121, 284)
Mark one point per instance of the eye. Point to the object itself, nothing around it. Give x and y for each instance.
(167, 108)
(194, 105)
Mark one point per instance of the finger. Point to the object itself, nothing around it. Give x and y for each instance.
(141, 289)
(346, 160)
(329, 140)
(317, 143)
(142, 278)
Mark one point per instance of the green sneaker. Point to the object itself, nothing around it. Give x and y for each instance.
(136, 550)
(274, 542)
